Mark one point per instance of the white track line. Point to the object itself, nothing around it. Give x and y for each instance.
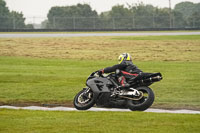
(99, 109)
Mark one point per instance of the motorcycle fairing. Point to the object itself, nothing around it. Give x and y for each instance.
(99, 87)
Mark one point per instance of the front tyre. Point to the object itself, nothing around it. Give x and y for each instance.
(145, 102)
(84, 99)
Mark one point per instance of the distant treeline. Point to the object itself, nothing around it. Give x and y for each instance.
(185, 14)
(11, 19)
(81, 16)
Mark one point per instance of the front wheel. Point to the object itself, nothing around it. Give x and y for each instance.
(84, 99)
(145, 102)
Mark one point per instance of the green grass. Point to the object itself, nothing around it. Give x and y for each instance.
(178, 37)
(41, 80)
(22, 121)
(25, 79)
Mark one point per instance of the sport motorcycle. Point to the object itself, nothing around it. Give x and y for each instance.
(105, 91)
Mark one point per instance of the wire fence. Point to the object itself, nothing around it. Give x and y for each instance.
(136, 22)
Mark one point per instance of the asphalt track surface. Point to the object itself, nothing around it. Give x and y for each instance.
(100, 109)
(30, 35)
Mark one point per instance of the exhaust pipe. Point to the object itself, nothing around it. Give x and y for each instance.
(152, 79)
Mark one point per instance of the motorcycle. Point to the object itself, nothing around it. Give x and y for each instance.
(105, 91)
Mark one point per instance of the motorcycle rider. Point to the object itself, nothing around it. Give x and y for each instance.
(125, 70)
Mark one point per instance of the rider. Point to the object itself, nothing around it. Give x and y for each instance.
(127, 69)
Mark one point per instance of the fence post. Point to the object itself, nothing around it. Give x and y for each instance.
(94, 23)
(153, 21)
(133, 22)
(170, 15)
(74, 23)
(193, 22)
(173, 21)
(54, 22)
(14, 25)
(113, 23)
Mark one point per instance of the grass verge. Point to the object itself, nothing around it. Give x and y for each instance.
(22, 121)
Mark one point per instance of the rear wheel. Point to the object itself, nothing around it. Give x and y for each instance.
(84, 99)
(145, 102)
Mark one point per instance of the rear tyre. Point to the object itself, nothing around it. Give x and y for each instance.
(84, 99)
(145, 102)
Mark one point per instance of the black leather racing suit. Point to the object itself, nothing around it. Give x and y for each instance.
(126, 66)
(128, 71)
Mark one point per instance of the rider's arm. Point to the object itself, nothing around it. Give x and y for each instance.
(114, 68)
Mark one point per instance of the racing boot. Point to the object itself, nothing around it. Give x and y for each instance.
(123, 83)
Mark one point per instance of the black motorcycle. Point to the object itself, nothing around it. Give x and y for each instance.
(105, 91)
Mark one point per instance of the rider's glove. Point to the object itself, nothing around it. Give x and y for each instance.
(100, 72)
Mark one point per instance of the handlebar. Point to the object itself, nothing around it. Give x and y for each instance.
(96, 72)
